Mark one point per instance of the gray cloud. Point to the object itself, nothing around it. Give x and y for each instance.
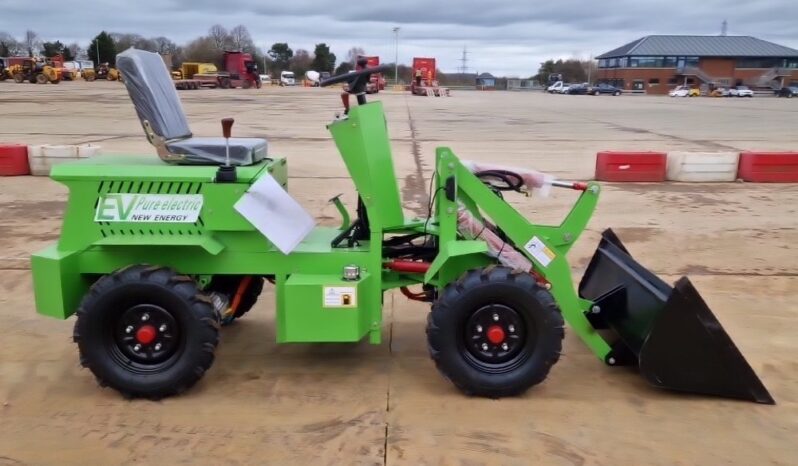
(505, 38)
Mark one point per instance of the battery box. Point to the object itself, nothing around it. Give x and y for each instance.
(324, 308)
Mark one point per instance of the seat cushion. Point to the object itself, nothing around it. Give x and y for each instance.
(211, 151)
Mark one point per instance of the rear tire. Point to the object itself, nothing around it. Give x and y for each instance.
(146, 332)
(617, 93)
(18, 78)
(462, 327)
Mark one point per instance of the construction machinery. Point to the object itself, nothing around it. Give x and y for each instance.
(193, 75)
(240, 70)
(107, 72)
(23, 69)
(87, 71)
(377, 81)
(425, 79)
(156, 252)
(70, 71)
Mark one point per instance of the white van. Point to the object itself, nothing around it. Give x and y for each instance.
(555, 88)
(287, 78)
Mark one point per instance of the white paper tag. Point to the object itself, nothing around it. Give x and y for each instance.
(539, 251)
(340, 296)
(277, 215)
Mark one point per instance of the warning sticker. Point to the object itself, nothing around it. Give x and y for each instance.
(539, 251)
(340, 296)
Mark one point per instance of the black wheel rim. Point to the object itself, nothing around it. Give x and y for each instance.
(145, 338)
(497, 339)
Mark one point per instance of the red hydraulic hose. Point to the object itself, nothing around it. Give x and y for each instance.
(406, 266)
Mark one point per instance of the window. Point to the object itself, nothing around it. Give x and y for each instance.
(637, 85)
(653, 82)
(613, 62)
(602, 63)
(622, 62)
(649, 62)
(759, 62)
(691, 61)
(790, 63)
(653, 62)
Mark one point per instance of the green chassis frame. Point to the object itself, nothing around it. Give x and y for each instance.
(223, 242)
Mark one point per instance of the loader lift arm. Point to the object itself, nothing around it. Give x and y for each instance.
(556, 240)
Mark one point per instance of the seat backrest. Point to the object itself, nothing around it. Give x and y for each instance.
(153, 93)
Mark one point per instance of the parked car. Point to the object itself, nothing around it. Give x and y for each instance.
(578, 89)
(719, 92)
(741, 91)
(603, 88)
(788, 92)
(565, 87)
(684, 91)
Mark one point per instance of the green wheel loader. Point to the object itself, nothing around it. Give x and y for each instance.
(156, 254)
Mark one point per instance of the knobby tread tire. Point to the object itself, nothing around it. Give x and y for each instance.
(197, 318)
(450, 312)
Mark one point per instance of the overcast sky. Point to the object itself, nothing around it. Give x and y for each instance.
(507, 38)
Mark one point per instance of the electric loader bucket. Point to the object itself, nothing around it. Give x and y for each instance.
(669, 332)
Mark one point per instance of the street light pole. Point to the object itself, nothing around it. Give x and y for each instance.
(396, 62)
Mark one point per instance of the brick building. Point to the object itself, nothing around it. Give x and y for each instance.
(657, 64)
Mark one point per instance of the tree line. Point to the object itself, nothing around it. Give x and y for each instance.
(208, 48)
(572, 70)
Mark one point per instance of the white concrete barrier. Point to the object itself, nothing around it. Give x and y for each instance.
(88, 150)
(42, 157)
(702, 166)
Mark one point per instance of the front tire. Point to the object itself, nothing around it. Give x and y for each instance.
(495, 332)
(146, 332)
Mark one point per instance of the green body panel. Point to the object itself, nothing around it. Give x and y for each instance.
(365, 147)
(221, 241)
(450, 252)
(142, 167)
(58, 285)
(308, 315)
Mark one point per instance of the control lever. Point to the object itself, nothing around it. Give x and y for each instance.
(226, 173)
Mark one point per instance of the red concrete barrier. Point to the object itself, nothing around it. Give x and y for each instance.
(14, 160)
(769, 167)
(631, 166)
